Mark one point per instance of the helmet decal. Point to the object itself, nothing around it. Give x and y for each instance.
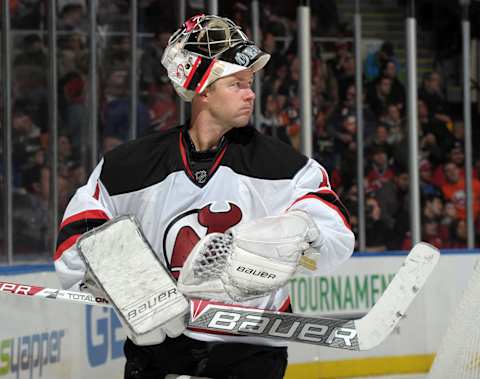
(205, 49)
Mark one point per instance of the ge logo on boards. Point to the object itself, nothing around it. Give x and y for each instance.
(105, 336)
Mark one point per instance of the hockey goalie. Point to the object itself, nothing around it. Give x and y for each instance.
(212, 209)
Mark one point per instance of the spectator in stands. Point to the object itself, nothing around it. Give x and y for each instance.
(436, 137)
(345, 135)
(117, 109)
(342, 66)
(73, 41)
(117, 54)
(151, 72)
(72, 17)
(454, 155)
(376, 230)
(430, 233)
(26, 15)
(346, 106)
(379, 95)
(66, 155)
(31, 213)
(458, 132)
(328, 17)
(395, 124)
(30, 223)
(324, 85)
(433, 230)
(323, 142)
(342, 53)
(432, 207)
(275, 81)
(292, 117)
(77, 175)
(269, 45)
(30, 89)
(73, 53)
(380, 141)
(73, 109)
(429, 148)
(397, 93)
(291, 82)
(34, 52)
(163, 106)
(377, 59)
(346, 76)
(346, 151)
(432, 94)
(458, 235)
(449, 216)
(379, 170)
(393, 199)
(427, 187)
(272, 122)
(25, 141)
(454, 190)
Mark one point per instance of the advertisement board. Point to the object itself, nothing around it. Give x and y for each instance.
(57, 340)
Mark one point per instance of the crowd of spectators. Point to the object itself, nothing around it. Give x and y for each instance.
(441, 133)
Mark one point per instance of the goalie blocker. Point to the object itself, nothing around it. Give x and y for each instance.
(124, 266)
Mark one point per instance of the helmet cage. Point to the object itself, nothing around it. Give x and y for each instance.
(208, 36)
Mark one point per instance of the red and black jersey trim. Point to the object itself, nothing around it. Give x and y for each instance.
(148, 160)
(73, 227)
(330, 199)
(214, 156)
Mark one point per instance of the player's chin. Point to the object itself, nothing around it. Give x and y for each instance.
(242, 120)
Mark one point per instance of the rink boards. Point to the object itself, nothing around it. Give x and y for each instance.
(51, 339)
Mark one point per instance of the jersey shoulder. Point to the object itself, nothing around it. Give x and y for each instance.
(253, 154)
(141, 163)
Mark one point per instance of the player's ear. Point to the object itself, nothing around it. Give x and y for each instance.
(209, 89)
(205, 94)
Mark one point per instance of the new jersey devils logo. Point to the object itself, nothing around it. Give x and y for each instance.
(185, 230)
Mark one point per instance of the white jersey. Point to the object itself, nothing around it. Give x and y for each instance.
(154, 179)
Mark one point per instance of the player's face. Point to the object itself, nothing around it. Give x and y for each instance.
(231, 99)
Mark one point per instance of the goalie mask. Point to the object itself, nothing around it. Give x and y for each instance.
(207, 48)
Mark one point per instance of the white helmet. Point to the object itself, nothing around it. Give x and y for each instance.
(205, 49)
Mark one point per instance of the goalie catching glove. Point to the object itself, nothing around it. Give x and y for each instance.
(249, 260)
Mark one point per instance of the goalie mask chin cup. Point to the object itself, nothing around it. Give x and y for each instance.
(207, 48)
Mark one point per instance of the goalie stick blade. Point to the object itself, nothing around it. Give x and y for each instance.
(234, 319)
(377, 324)
(363, 334)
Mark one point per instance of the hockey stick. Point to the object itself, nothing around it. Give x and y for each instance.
(362, 334)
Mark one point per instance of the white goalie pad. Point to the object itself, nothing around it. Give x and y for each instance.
(124, 266)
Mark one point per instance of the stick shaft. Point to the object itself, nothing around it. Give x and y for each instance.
(337, 332)
(52, 294)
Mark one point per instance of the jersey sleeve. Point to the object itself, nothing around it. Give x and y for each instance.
(313, 194)
(90, 207)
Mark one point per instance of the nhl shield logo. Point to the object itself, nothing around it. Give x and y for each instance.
(201, 176)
